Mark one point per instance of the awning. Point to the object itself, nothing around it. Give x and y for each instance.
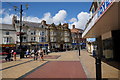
(107, 22)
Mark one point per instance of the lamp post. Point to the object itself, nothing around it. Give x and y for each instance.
(78, 42)
(20, 33)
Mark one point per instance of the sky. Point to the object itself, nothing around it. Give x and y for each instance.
(76, 13)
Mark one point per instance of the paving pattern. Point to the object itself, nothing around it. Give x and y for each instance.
(59, 69)
(57, 66)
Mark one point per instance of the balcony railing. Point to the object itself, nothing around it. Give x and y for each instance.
(97, 15)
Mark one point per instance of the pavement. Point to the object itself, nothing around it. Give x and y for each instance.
(58, 65)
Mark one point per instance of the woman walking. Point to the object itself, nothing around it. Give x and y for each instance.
(41, 54)
(14, 55)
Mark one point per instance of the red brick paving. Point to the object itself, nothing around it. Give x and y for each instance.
(50, 56)
(59, 69)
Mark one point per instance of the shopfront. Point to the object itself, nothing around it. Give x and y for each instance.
(104, 26)
(4, 46)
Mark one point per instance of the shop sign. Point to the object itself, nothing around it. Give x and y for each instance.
(46, 44)
(76, 43)
(8, 45)
(104, 6)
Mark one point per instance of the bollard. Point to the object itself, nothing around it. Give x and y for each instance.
(98, 68)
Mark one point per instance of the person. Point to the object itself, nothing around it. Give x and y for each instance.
(36, 55)
(27, 53)
(14, 55)
(12, 51)
(32, 52)
(48, 51)
(41, 54)
(8, 54)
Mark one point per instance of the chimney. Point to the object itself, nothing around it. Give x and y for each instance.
(65, 24)
(43, 22)
(73, 26)
(13, 20)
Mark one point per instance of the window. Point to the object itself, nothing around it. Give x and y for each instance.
(66, 39)
(51, 39)
(99, 2)
(73, 41)
(24, 39)
(51, 33)
(42, 39)
(42, 33)
(92, 9)
(7, 33)
(33, 32)
(54, 33)
(6, 40)
(33, 38)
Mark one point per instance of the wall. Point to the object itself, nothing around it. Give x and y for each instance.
(106, 35)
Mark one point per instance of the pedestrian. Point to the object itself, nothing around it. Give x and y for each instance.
(14, 55)
(48, 51)
(41, 54)
(36, 55)
(27, 53)
(32, 52)
(8, 58)
(12, 51)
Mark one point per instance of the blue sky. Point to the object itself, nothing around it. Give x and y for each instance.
(39, 8)
(57, 12)
(76, 13)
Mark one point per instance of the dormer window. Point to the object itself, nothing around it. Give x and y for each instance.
(42, 26)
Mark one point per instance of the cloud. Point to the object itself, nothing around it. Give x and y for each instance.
(73, 20)
(31, 19)
(48, 18)
(60, 17)
(7, 19)
(1, 11)
(83, 18)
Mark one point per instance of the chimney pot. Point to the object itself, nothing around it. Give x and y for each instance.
(73, 26)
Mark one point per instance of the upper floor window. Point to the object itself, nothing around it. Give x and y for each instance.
(42, 39)
(66, 39)
(6, 40)
(33, 32)
(93, 9)
(33, 38)
(66, 33)
(42, 33)
(99, 2)
(51, 39)
(51, 33)
(7, 33)
(24, 39)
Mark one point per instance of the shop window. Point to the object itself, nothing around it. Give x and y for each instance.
(107, 44)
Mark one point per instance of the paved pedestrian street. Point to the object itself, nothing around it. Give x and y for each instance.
(56, 66)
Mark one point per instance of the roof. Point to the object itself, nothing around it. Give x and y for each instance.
(7, 27)
(75, 30)
(31, 24)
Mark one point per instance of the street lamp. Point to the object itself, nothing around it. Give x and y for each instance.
(78, 42)
(20, 34)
